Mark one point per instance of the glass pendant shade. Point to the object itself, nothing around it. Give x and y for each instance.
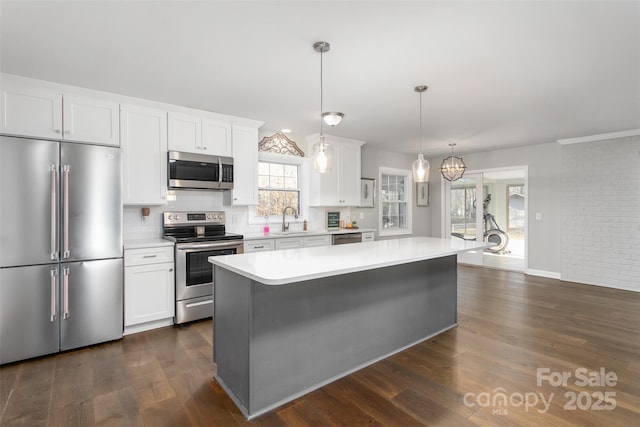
(322, 155)
(452, 168)
(322, 152)
(420, 165)
(332, 119)
(421, 169)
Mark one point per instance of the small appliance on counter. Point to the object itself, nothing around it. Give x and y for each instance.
(197, 235)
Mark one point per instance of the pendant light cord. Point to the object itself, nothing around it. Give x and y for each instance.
(420, 122)
(321, 96)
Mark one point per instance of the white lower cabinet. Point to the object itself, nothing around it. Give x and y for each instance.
(323, 240)
(259, 245)
(149, 291)
(289, 243)
(368, 236)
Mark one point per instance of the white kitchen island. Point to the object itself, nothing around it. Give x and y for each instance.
(288, 322)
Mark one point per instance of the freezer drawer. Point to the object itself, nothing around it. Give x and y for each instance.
(28, 312)
(92, 310)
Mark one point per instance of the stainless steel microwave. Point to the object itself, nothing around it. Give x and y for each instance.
(199, 171)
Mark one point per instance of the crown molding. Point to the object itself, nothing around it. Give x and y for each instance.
(601, 137)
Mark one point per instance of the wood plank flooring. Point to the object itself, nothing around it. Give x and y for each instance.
(509, 325)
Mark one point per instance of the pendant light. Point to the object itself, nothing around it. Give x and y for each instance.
(332, 118)
(452, 168)
(321, 151)
(421, 166)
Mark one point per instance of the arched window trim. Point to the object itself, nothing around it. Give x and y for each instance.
(279, 143)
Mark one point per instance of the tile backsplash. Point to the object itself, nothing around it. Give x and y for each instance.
(237, 221)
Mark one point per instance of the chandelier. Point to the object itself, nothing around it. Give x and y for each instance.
(452, 168)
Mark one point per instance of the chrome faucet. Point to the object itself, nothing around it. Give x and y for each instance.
(285, 227)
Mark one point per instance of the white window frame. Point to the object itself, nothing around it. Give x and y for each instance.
(253, 218)
(409, 201)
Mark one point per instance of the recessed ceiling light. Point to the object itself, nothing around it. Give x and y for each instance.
(285, 130)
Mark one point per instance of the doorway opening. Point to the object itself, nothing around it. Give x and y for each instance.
(490, 205)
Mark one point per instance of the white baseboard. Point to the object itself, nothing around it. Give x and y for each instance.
(543, 273)
(141, 327)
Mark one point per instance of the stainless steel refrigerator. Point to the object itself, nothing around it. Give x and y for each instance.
(61, 268)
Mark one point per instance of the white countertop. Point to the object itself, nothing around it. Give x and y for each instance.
(146, 243)
(299, 233)
(295, 265)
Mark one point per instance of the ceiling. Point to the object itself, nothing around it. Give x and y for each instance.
(499, 73)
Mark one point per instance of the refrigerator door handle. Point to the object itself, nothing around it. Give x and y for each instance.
(54, 212)
(54, 294)
(65, 244)
(219, 171)
(65, 293)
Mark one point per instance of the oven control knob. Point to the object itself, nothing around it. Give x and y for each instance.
(209, 216)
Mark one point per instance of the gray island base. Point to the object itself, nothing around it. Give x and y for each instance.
(273, 344)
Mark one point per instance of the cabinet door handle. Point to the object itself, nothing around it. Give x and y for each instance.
(56, 130)
(259, 247)
(171, 269)
(204, 147)
(149, 256)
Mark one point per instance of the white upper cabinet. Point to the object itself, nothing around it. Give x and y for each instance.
(185, 132)
(37, 112)
(341, 185)
(144, 155)
(90, 119)
(349, 174)
(245, 167)
(31, 112)
(201, 135)
(216, 137)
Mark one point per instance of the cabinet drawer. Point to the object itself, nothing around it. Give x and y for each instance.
(317, 241)
(259, 245)
(148, 256)
(368, 236)
(290, 243)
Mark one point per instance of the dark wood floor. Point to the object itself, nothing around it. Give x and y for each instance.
(509, 325)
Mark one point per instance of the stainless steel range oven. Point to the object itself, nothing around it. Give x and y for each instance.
(198, 235)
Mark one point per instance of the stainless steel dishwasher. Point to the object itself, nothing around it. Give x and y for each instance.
(343, 239)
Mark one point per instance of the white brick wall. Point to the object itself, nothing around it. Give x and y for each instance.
(601, 213)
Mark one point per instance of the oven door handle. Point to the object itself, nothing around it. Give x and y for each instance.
(200, 246)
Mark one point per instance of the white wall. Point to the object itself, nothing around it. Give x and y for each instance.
(601, 213)
(372, 160)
